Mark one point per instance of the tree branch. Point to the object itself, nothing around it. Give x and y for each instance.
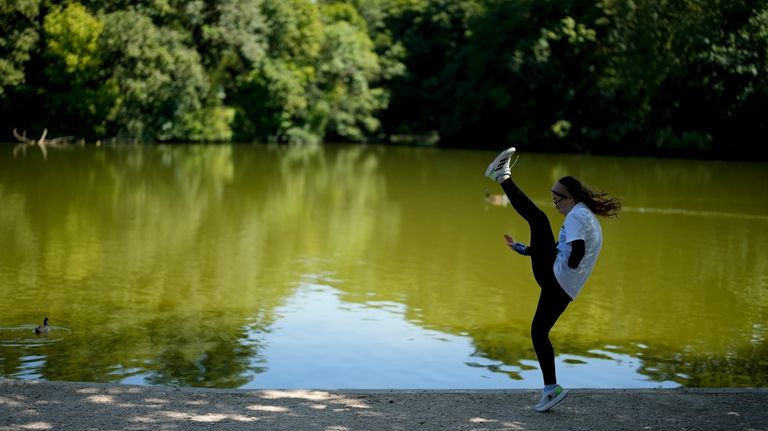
(42, 143)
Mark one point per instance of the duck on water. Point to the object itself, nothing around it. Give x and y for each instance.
(44, 328)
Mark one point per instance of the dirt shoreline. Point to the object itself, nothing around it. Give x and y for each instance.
(43, 405)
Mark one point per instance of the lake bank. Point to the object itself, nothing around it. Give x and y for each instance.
(28, 404)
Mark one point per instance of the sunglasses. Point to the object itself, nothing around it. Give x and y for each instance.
(560, 195)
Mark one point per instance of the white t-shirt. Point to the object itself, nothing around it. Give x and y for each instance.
(580, 223)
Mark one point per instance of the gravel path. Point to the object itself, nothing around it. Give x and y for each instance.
(40, 405)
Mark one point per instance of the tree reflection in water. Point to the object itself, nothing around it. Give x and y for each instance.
(169, 263)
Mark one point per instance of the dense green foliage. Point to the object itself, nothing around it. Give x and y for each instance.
(686, 77)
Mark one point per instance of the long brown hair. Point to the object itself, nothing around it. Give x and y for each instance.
(598, 202)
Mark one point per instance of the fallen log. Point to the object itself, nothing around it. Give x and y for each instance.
(42, 143)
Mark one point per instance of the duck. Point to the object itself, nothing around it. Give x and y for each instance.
(44, 328)
(496, 200)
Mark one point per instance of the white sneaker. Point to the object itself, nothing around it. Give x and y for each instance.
(499, 169)
(550, 399)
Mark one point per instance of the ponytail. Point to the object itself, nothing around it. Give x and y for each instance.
(598, 202)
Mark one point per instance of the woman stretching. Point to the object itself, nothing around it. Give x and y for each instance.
(560, 268)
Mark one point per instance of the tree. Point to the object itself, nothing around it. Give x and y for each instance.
(157, 84)
(19, 46)
(347, 68)
(274, 100)
(522, 78)
(231, 38)
(18, 39)
(728, 81)
(73, 95)
(431, 33)
(684, 77)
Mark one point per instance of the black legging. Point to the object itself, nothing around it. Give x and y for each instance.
(553, 300)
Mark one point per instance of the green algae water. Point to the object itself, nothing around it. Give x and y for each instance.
(333, 267)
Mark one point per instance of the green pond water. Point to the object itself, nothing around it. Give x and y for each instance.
(247, 266)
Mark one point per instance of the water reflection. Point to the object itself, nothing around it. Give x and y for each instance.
(25, 335)
(199, 266)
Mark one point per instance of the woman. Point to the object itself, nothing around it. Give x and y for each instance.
(560, 268)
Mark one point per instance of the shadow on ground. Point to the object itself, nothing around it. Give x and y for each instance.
(37, 405)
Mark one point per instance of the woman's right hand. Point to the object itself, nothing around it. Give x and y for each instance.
(517, 247)
(510, 241)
